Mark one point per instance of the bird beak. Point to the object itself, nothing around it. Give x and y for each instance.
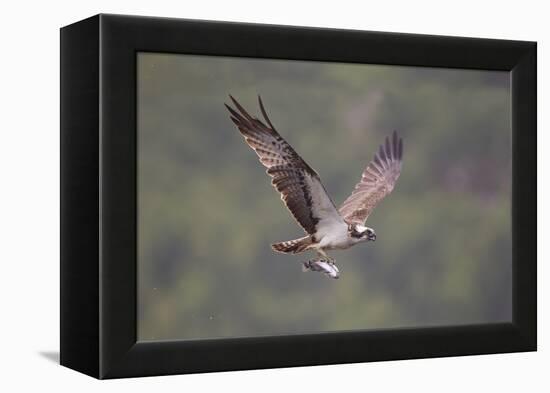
(372, 237)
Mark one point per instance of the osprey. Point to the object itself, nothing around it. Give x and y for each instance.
(327, 227)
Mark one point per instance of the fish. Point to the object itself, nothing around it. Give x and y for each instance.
(321, 265)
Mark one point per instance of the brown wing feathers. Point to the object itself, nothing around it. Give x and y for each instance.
(377, 181)
(291, 176)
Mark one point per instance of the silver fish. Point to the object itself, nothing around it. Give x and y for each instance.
(321, 265)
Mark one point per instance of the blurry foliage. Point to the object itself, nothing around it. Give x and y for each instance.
(207, 213)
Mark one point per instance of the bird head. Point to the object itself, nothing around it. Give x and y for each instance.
(363, 233)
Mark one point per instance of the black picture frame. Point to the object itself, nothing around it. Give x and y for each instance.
(98, 195)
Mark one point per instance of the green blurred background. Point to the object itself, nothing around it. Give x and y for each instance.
(207, 213)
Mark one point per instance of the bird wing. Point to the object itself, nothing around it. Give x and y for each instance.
(299, 185)
(377, 181)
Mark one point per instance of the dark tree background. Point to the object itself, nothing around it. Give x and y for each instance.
(207, 213)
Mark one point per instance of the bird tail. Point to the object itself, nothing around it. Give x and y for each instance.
(293, 246)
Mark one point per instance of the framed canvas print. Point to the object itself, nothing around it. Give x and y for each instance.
(239, 196)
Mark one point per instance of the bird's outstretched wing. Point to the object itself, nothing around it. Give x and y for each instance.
(377, 181)
(300, 186)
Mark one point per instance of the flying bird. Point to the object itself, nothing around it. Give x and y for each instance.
(326, 227)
